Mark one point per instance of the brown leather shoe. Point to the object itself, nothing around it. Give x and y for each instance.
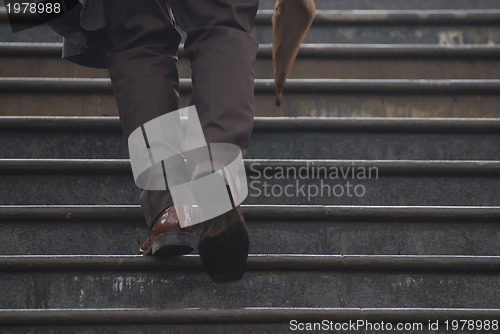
(167, 238)
(223, 246)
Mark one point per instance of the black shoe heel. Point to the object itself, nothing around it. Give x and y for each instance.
(224, 255)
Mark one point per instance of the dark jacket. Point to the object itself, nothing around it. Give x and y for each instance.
(83, 27)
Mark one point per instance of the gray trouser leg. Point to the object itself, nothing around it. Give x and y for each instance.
(145, 79)
(142, 67)
(222, 52)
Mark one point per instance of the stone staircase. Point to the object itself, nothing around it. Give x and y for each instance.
(399, 127)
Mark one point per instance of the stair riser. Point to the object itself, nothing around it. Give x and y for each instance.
(276, 237)
(110, 144)
(360, 146)
(376, 33)
(393, 34)
(341, 105)
(166, 289)
(303, 69)
(106, 188)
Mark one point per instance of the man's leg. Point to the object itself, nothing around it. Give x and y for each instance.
(222, 52)
(142, 67)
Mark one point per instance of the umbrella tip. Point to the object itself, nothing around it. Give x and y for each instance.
(279, 96)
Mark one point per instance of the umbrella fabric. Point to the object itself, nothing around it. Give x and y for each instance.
(291, 22)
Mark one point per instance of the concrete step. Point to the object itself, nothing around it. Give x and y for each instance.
(456, 26)
(395, 27)
(247, 320)
(347, 230)
(273, 138)
(48, 282)
(339, 61)
(314, 97)
(292, 182)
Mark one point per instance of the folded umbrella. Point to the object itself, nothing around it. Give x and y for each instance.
(291, 22)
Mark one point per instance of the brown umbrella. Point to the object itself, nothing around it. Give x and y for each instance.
(291, 21)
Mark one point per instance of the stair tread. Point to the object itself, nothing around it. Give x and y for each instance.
(319, 50)
(397, 124)
(256, 262)
(384, 182)
(389, 167)
(70, 213)
(29, 85)
(146, 316)
(292, 137)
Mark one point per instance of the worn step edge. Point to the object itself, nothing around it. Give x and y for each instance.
(254, 315)
(359, 17)
(272, 166)
(310, 51)
(275, 124)
(256, 262)
(276, 213)
(35, 85)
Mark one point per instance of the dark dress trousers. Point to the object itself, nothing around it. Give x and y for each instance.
(139, 45)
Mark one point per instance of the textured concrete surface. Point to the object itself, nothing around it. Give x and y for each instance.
(294, 104)
(308, 236)
(269, 144)
(103, 188)
(257, 289)
(380, 34)
(444, 33)
(303, 68)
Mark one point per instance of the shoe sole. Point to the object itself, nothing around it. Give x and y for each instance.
(224, 255)
(172, 244)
